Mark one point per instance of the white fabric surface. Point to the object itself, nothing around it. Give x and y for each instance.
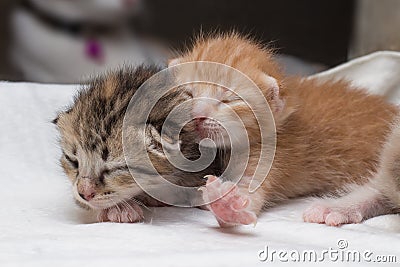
(41, 226)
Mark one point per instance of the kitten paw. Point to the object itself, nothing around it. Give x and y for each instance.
(231, 207)
(332, 215)
(122, 213)
(341, 216)
(316, 213)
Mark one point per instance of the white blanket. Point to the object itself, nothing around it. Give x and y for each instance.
(41, 226)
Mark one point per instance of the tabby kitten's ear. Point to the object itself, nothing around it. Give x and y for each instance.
(276, 101)
(173, 62)
(55, 121)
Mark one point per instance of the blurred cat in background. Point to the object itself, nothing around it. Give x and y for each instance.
(69, 41)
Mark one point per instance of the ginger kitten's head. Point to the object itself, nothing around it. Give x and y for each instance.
(91, 139)
(213, 104)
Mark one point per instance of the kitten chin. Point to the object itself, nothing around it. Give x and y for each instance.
(328, 134)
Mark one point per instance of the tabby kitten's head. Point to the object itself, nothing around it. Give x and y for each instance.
(91, 138)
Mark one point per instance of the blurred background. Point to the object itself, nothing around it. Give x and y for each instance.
(67, 41)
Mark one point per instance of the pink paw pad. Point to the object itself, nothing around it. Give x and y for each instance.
(127, 213)
(229, 205)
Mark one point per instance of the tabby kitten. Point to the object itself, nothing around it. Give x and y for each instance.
(92, 149)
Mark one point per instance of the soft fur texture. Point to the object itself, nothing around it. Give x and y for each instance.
(328, 134)
(93, 156)
(381, 195)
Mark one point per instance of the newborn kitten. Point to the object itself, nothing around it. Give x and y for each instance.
(381, 195)
(91, 142)
(328, 134)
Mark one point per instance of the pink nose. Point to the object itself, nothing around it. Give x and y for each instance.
(87, 195)
(86, 189)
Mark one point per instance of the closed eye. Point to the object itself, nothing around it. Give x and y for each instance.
(189, 93)
(125, 168)
(74, 163)
(231, 100)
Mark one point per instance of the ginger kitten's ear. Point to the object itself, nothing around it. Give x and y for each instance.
(276, 102)
(173, 62)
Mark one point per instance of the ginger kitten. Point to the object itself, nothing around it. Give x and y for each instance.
(328, 134)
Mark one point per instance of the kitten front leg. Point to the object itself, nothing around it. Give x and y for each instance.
(124, 212)
(234, 205)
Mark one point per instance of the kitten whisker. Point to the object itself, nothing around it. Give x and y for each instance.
(140, 203)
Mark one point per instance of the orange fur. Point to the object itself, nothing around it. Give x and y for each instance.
(328, 134)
